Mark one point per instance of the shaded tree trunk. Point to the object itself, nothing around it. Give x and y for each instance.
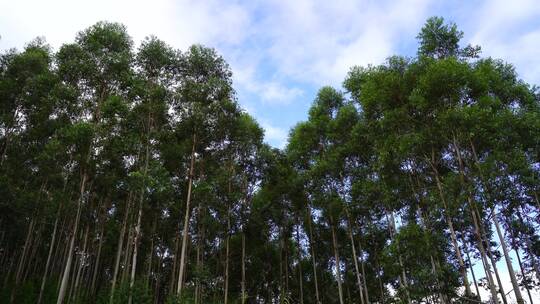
(185, 232)
(336, 257)
(67, 269)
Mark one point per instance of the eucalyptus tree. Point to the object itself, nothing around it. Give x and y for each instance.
(97, 67)
(204, 99)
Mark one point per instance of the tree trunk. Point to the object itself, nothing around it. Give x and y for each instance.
(67, 269)
(403, 277)
(336, 256)
(96, 265)
(523, 274)
(355, 258)
(515, 285)
(364, 274)
(186, 221)
(80, 266)
(20, 265)
(49, 255)
(119, 248)
(227, 239)
(478, 233)
(453, 237)
(474, 277)
(300, 275)
(243, 284)
(313, 259)
(127, 256)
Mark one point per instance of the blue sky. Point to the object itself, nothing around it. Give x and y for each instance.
(282, 52)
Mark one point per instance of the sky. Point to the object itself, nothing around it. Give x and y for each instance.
(282, 52)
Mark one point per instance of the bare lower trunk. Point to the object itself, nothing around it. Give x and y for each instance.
(49, 256)
(67, 269)
(474, 277)
(477, 223)
(80, 265)
(135, 252)
(22, 260)
(523, 275)
(355, 258)
(336, 256)
(175, 258)
(96, 265)
(515, 285)
(300, 275)
(244, 296)
(403, 277)
(139, 216)
(499, 282)
(127, 256)
(313, 260)
(227, 240)
(364, 274)
(480, 245)
(455, 244)
(185, 232)
(120, 247)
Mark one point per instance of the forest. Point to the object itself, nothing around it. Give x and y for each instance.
(132, 175)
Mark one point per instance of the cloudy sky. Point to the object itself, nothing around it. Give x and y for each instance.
(281, 52)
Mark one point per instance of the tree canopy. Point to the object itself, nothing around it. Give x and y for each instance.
(132, 175)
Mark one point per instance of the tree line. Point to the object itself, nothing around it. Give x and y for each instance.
(132, 175)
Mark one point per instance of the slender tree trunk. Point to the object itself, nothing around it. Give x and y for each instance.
(244, 295)
(20, 265)
(96, 265)
(523, 274)
(49, 255)
(336, 256)
(479, 241)
(80, 265)
(119, 248)
(478, 233)
(139, 217)
(227, 240)
(67, 269)
(403, 277)
(313, 259)
(175, 258)
(364, 274)
(186, 220)
(127, 256)
(355, 257)
(515, 285)
(474, 277)
(151, 252)
(199, 252)
(453, 237)
(494, 264)
(36, 243)
(300, 275)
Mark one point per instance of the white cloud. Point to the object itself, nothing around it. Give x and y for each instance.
(275, 136)
(317, 42)
(509, 30)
